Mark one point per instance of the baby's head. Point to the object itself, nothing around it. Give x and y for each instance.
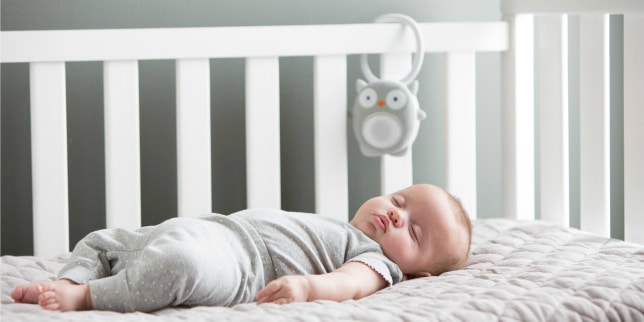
(422, 228)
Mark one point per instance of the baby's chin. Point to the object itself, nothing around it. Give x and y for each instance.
(365, 228)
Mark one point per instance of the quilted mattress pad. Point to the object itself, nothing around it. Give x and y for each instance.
(518, 271)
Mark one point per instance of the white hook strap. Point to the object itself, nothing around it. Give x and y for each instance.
(418, 58)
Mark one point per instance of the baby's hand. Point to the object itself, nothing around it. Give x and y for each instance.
(285, 289)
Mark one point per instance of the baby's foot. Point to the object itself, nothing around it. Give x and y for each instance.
(28, 293)
(64, 297)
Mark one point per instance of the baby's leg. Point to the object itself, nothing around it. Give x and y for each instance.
(61, 296)
(169, 274)
(98, 255)
(186, 263)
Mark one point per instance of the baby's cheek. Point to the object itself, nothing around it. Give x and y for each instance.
(401, 252)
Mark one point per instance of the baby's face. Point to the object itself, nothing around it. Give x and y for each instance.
(414, 226)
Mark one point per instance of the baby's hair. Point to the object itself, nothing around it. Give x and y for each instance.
(456, 261)
(463, 218)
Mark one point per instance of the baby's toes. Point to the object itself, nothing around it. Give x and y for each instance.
(18, 293)
(46, 287)
(47, 300)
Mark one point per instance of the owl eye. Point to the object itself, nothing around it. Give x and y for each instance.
(368, 97)
(396, 99)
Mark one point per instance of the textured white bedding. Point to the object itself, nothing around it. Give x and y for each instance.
(518, 271)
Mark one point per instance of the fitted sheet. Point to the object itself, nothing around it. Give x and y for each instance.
(518, 271)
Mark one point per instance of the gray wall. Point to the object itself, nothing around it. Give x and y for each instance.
(158, 117)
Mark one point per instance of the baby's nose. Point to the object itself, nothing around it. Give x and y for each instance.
(395, 217)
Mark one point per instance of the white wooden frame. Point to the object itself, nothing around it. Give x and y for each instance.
(120, 50)
(261, 47)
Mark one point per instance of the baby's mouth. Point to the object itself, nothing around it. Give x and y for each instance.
(381, 222)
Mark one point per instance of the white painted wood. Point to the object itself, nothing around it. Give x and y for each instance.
(330, 136)
(263, 132)
(49, 158)
(518, 121)
(194, 186)
(461, 128)
(634, 128)
(267, 41)
(122, 147)
(571, 6)
(552, 93)
(395, 171)
(594, 124)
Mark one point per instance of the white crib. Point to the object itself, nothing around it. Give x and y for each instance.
(47, 52)
(534, 31)
(555, 55)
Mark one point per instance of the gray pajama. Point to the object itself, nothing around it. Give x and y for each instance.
(215, 260)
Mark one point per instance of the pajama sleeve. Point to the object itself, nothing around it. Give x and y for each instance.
(389, 271)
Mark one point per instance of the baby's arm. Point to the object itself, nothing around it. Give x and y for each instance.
(351, 281)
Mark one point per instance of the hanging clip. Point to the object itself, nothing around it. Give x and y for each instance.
(386, 113)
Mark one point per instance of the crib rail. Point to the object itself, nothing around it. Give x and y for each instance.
(226, 42)
(541, 82)
(120, 51)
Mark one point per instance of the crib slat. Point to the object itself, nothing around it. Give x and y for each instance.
(49, 158)
(330, 117)
(633, 129)
(518, 121)
(193, 137)
(395, 171)
(594, 128)
(122, 147)
(461, 128)
(552, 50)
(263, 132)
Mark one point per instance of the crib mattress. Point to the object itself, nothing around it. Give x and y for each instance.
(518, 271)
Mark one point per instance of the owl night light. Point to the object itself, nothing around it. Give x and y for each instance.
(386, 113)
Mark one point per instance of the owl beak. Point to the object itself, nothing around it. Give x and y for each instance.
(381, 103)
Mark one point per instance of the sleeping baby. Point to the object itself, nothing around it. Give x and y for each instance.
(262, 255)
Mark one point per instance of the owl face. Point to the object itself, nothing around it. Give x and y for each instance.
(386, 117)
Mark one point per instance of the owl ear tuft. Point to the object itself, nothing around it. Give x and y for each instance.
(360, 84)
(413, 87)
(421, 115)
